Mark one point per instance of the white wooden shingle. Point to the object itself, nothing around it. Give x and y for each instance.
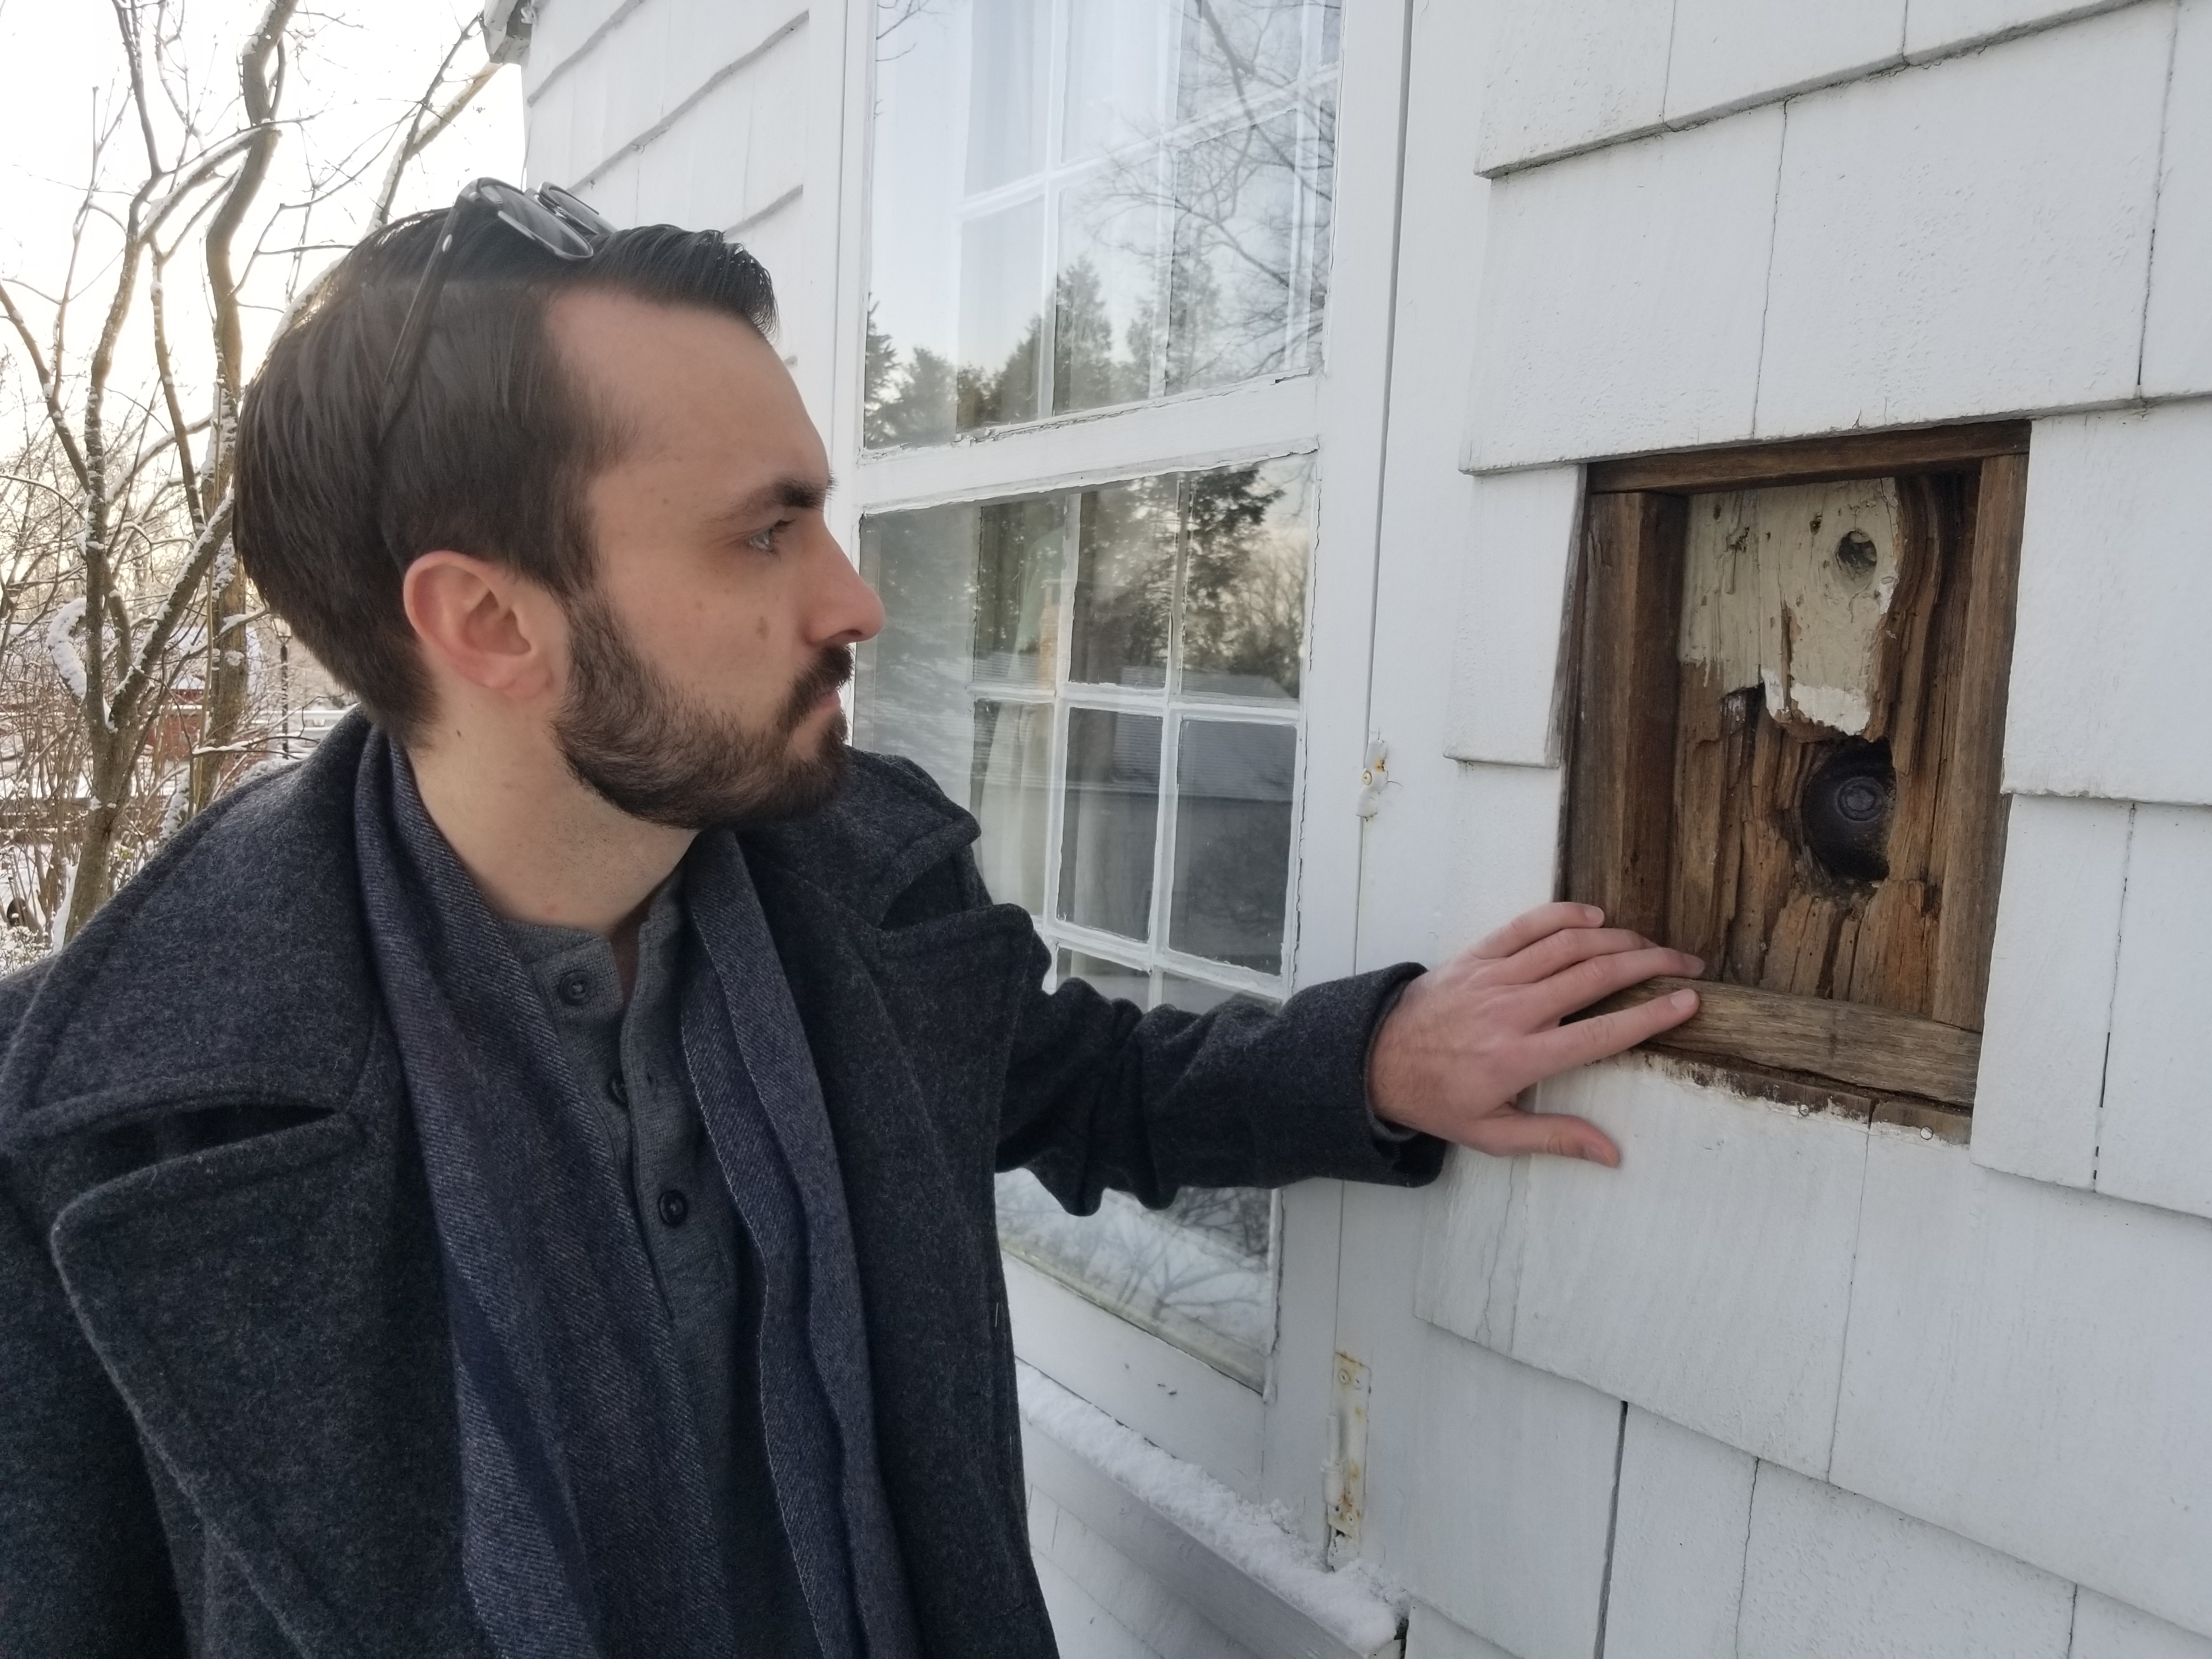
(2050, 987)
(1730, 53)
(1622, 294)
(1512, 617)
(2105, 1629)
(2177, 333)
(1934, 27)
(2026, 1368)
(1504, 848)
(1678, 1541)
(1829, 1575)
(1901, 293)
(1561, 77)
(2109, 695)
(1515, 1490)
(1708, 1278)
(2156, 1134)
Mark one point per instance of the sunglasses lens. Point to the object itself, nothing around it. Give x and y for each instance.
(537, 221)
(576, 210)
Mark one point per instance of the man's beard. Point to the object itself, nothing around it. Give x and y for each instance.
(627, 734)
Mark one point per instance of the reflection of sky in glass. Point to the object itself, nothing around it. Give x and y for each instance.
(1207, 129)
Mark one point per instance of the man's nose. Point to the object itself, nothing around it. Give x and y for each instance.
(847, 610)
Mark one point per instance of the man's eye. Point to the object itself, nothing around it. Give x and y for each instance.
(765, 540)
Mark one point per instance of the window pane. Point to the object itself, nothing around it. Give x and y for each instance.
(1124, 584)
(1006, 90)
(1235, 52)
(1232, 846)
(1010, 792)
(1110, 818)
(1114, 79)
(911, 696)
(1001, 314)
(1198, 1273)
(1189, 199)
(1250, 249)
(1110, 979)
(1108, 289)
(915, 196)
(1020, 548)
(1250, 534)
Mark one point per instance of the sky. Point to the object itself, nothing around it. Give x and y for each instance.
(362, 64)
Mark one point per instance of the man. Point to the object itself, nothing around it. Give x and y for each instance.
(520, 1183)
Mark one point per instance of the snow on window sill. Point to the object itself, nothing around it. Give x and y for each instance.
(1247, 1573)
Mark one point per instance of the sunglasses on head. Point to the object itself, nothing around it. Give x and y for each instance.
(562, 224)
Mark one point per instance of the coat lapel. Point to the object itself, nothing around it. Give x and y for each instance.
(909, 1028)
(211, 1109)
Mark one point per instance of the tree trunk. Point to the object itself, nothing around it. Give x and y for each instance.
(95, 859)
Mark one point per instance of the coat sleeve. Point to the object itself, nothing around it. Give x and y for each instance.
(1101, 1094)
(84, 1567)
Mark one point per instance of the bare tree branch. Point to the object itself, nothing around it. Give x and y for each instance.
(419, 136)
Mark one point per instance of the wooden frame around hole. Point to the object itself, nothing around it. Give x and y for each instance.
(1625, 680)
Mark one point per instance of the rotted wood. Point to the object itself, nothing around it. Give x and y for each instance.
(1972, 833)
(1849, 1042)
(1621, 812)
(1743, 893)
(1813, 460)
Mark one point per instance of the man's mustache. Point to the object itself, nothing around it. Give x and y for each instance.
(832, 669)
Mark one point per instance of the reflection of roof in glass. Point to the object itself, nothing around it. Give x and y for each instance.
(1224, 760)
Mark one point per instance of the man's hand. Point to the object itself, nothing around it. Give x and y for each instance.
(1466, 1038)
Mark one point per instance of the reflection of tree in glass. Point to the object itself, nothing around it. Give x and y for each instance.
(903, 403)
(1244, 581)
(1249, 194)
(924, 399)
(1125, 583)
(1085, 373)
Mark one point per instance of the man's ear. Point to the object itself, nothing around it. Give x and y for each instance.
(483, 623)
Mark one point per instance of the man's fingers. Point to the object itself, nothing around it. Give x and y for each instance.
(1599, 977)
(1557, 951)
(1516, 1133)
(1530, 926)
(1613, 1033)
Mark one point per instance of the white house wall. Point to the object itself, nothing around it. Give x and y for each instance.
(1783, 1383)
(1883, 1394)
(695, 113)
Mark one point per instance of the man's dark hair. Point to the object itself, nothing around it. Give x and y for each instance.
(490, 455)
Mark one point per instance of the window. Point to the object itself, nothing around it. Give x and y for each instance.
(1079, 203)
(1788, 738)
(1109, 679)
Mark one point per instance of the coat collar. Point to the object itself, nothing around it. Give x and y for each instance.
(235, 969)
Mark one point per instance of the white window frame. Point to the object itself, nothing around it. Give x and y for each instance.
(1268, 1446)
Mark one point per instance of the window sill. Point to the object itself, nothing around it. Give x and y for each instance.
(1227, 1559)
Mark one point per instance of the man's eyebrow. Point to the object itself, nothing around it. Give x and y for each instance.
(793, 490)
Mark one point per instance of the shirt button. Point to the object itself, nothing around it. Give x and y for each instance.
(617, 1090)
(674, 1207)
(575, 988)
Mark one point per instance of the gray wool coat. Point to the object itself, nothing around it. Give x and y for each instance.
(226, 1423)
